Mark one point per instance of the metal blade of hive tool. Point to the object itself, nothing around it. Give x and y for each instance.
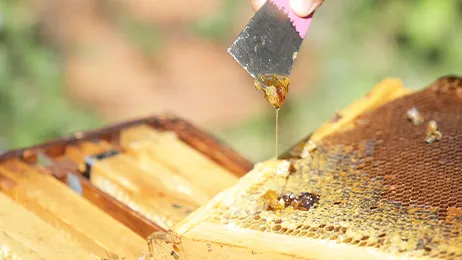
(269, 43)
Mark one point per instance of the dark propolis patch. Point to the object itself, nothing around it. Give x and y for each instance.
(304, 201)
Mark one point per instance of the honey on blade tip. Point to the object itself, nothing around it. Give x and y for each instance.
(275, 87)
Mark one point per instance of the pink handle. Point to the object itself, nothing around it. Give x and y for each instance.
(300, 24)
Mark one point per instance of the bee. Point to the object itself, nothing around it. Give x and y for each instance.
(414, 116)
(336, 118)
(459, 92)
(309, 147)
(175, 255)
(283, 168)
(433, 133)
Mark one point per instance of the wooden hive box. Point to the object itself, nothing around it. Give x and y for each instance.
(102, 193)
(388, 187)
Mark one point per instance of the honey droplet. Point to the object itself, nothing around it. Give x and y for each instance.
(275, 87)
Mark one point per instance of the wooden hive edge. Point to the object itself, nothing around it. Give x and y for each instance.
(211, 147)
(188, 133)
(33, 188)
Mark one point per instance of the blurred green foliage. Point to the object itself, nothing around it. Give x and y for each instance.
(143, 34)
(218, 26)
(33, 107)
(360, 43)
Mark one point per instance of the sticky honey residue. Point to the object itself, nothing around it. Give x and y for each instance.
(270, 201)
(275, 88)
(276, 142)
(303, 201)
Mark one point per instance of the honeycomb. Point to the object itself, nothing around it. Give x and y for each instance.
(380, 184)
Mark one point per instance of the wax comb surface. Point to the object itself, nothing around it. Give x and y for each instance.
(384, 192)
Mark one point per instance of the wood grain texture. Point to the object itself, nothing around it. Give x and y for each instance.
(67, 156)
(168, 177)
(23, 234)
(66, 210)
(153, 191)
(151, 186)
(120, 177)
(191, 135)
(187, 162)
(116, 209)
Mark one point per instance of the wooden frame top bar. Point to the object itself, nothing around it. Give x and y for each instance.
(191, 135)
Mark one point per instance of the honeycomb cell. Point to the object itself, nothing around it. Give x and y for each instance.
(380, 184)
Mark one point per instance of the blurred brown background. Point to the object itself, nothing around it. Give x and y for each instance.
(68, 65)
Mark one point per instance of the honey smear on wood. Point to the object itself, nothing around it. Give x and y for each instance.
(275, 88)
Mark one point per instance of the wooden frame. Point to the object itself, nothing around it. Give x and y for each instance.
(189, 134)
